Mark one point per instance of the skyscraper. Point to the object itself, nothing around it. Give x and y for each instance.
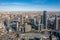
(44, 19)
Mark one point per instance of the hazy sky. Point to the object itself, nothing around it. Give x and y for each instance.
(29, 5)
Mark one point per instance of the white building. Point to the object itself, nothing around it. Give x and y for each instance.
(27, 27)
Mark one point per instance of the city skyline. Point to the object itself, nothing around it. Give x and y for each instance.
(29, 5)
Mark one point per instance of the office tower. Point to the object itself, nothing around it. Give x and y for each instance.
(52, 22)
(39, 27)
(34, 21)
(27, 27)
(55, 22)
(19, 18)
(44, 19)
(18, 23)
(5, 22)
(40, 24)
(41, 19)
(14, 25)
(17, 26)
(22, 20)
(58, 24)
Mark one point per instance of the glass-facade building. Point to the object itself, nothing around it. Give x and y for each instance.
(44, 19)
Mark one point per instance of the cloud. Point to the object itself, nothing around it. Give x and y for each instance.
(25, 8)
(16, 6)
(39, 1)
(14, 3)
(19, 8)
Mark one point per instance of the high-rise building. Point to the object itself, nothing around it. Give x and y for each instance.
(52, 22)
(44, 19)
(35, 21)
(27, 27)
(58, 24)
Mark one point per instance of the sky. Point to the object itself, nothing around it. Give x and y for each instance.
(29, 5)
